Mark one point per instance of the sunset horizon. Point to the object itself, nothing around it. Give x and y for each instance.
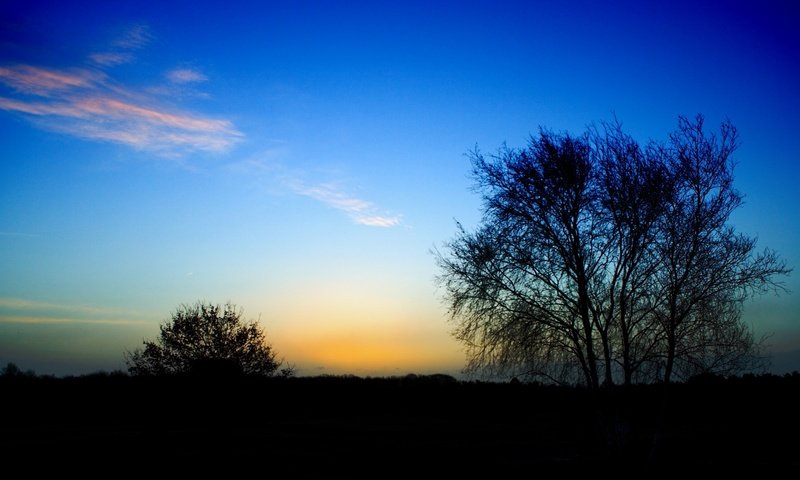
(305, 161)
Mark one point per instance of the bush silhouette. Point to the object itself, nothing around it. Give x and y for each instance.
(203, 339)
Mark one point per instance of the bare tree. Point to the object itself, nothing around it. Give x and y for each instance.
(597, 257)
(206, 338)
(522, 284)
(717, 342)
(706, 262)
(634, 182)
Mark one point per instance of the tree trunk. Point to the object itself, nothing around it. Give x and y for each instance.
(583, 307)
(670, 355)
(609, 378)
(626, 343)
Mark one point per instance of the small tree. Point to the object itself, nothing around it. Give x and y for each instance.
(203, 338)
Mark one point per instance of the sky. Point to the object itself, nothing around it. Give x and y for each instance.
(303, 159)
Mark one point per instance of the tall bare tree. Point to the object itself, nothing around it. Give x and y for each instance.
(709, 269)
(522, 285)
(597, 258)
(634, 181)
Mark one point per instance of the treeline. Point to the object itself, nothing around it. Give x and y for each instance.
(315, 427)
(13, 374)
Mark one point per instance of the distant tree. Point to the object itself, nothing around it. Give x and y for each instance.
(207, 339)
(12, 370)
(600, 261)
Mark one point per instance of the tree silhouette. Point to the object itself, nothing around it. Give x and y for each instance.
(12, 370)
(708, 269)
(601, 261)
(206, 339)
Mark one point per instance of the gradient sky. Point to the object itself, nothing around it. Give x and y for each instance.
(302, 159)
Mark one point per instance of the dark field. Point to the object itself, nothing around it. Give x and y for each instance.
(342, 427)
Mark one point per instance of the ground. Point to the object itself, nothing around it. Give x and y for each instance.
(347, 427)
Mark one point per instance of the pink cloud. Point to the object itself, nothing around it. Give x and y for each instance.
(83, 103)
(148, 137)
(110, 107)
(45, 82)
(40, 109)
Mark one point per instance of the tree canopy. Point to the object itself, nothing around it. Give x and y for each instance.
(599, 260)
(206, 339)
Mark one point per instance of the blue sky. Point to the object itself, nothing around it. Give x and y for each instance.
(301, 159)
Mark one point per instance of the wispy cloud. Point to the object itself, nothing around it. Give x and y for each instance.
(17, 310)
(28, 305)
(360, 211)
(43, 320)
(136, 37)
(185, 75)
(86, 104)
(31, 80)
(110, 59)
(121, 51)
(271, 172)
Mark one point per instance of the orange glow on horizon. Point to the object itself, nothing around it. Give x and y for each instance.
(371, 354)
(348, 326)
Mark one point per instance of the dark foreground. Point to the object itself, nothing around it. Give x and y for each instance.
(341, 427)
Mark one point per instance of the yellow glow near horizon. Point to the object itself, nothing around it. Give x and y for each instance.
(373, 354)
(364, 328)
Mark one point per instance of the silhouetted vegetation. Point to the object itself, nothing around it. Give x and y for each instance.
(210, 341)
(602, 261)
(348, 426)
(12, 370)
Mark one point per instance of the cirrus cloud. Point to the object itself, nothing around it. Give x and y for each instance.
(360, 211)
(24, 311)
(268, 168)
(136, 37)
(185, 75)
(86, 103)
(110, 59)
(31, 80)
(121, 51)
